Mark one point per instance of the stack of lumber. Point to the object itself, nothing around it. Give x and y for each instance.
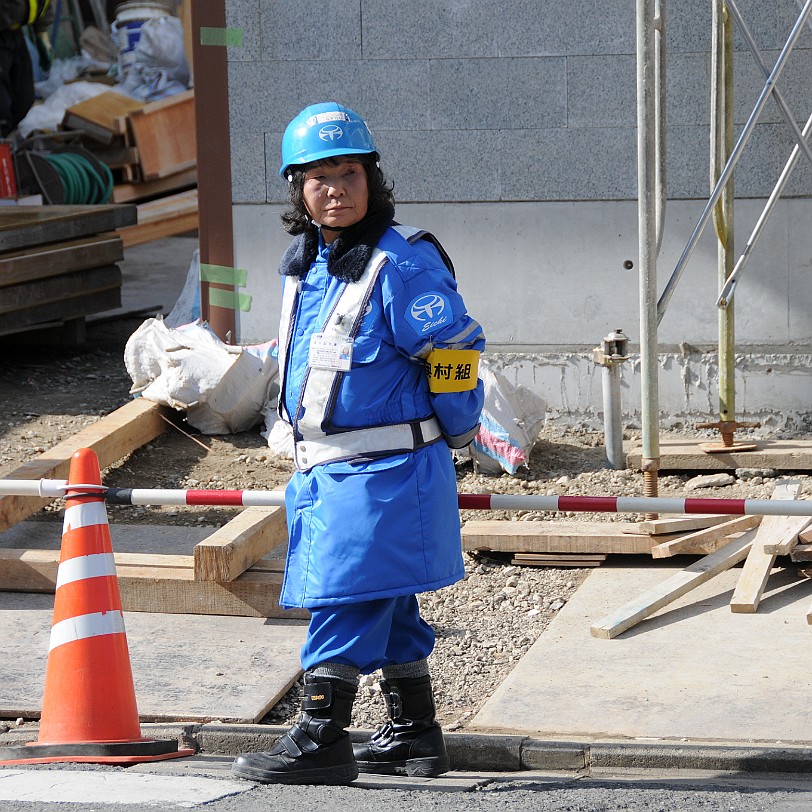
(754, 540)
(57, 265)
(236, 571)
(152, 150)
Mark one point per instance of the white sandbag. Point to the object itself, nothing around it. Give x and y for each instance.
(511, 420)
(223, 388)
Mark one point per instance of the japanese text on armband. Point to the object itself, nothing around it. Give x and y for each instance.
(452, 370)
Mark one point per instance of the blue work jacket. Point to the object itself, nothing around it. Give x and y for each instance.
(388, 526)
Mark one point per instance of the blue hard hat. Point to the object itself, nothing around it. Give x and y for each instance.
(324, 131)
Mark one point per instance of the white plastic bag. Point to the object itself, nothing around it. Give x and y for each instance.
(223, 388)
(511, 419)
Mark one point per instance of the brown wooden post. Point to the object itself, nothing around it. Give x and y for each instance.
(213, 158)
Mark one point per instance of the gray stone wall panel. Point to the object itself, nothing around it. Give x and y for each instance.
(310, 29)
(554, 28)
(481, 94)
(390, 94)
(442, 165)
(601, 91)
(424, 29)
(261, 96)
(244, 16)
(590, 163)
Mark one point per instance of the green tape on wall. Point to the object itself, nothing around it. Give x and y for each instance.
(222, 275)
(229, 299)
(227, 37)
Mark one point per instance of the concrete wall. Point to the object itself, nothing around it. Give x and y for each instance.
(509, 130)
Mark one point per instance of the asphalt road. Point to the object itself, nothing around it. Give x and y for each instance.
(205, 782)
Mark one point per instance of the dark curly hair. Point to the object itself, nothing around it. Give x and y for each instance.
(296, 220)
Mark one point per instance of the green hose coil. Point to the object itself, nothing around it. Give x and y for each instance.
(81, 181)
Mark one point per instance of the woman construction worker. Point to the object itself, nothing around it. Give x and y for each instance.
(378, 367)
(16, 71)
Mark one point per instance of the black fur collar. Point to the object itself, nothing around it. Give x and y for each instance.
(349, 254)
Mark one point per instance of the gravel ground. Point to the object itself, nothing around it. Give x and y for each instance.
(484, 624)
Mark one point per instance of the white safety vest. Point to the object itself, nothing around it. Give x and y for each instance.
(312, 444)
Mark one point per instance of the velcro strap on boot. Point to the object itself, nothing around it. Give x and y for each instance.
(394, 703)
(317, 695)
(297, 742)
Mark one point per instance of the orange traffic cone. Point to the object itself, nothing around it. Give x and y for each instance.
(89, 711)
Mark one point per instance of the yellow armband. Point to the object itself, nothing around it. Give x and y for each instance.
(452, 370)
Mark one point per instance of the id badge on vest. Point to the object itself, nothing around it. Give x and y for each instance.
(330, 352)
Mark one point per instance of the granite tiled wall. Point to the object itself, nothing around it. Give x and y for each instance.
(524, 100)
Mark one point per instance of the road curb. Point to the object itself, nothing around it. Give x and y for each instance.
(493, 752)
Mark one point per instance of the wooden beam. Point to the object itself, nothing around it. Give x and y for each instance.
(705, 538)
(791, 539)
(64, 257)
(679, 524)
(25, 226)
(631, 613)
(158, 583)
(240, 543)
(112, 437)
(557, 537)
(759, 563)
(558, 559)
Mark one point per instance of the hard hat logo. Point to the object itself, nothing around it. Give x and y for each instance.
(331, 132)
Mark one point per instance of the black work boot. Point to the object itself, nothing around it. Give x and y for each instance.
(317, 749)
(411, 742)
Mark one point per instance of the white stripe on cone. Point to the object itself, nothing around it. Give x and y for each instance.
(87, 514)
(84, 626)
(96, 565)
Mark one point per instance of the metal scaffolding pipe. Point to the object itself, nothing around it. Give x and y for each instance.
(647, 196)
(747, 131)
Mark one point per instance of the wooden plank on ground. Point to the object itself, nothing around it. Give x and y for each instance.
(802, 552)
(112, 437)
(240, 543)
(26, 226)
(759, 562)
(679, 524)
(38, 292)
(159, 583)
(130, 192)
(54, 314)
(165, 217)
(558, 559)
(790, 541)
(558, 537)
(631, 613)
(57, 258)
(685, 455)
(707, 538)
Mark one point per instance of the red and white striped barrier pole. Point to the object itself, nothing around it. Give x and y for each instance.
(56, 488)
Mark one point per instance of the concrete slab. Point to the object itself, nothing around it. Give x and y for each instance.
(693, 671)
(185, 667)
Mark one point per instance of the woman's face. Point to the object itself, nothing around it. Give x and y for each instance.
(336, 194)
